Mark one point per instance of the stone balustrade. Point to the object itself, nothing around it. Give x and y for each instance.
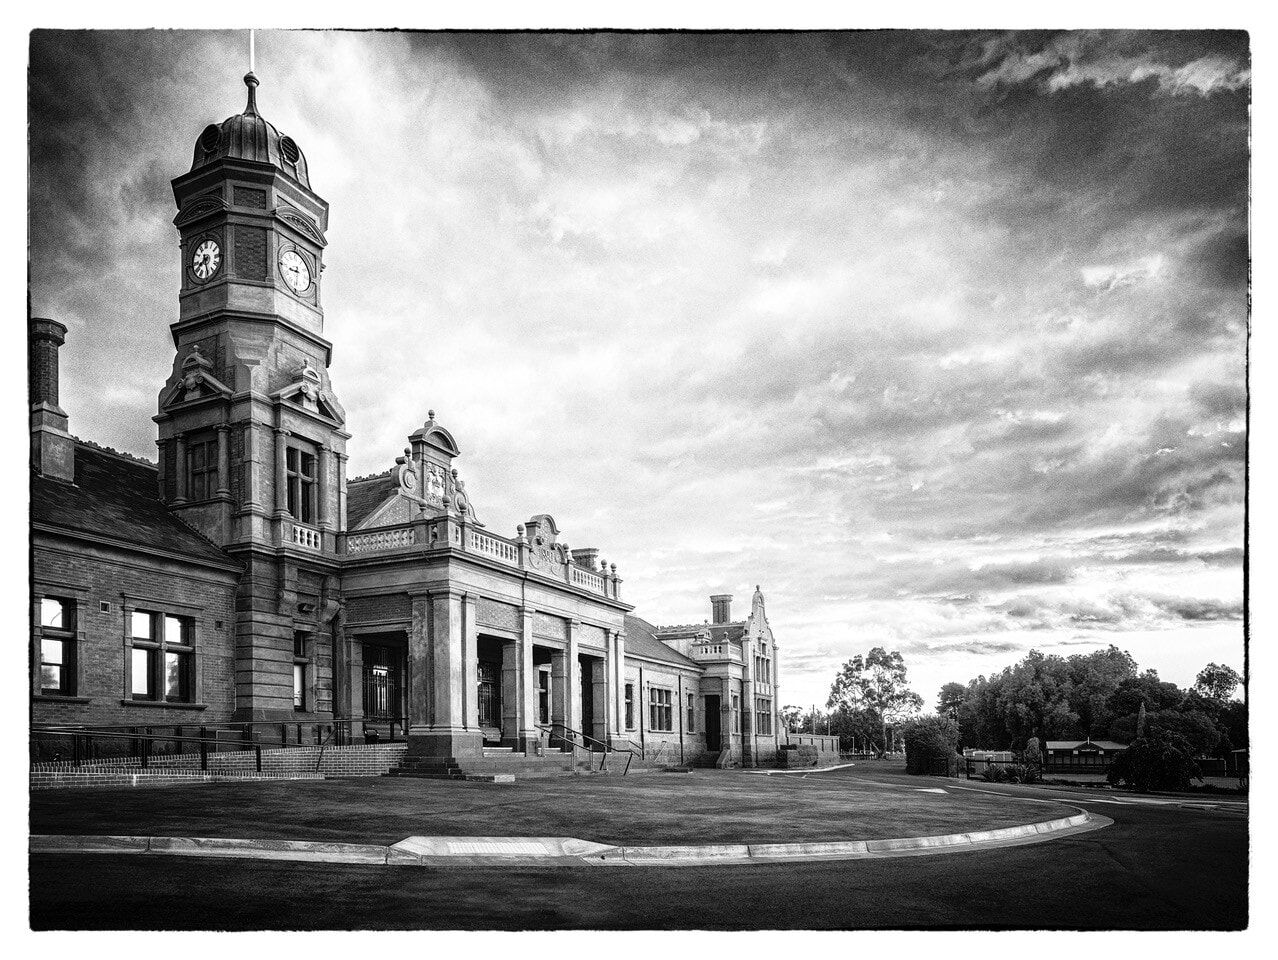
(517, 554)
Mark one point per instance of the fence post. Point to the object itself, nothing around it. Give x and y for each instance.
(204, 754)
(146, 752)
(258, 748)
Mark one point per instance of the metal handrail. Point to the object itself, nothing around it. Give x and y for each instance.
(144, 739)
(551, 728)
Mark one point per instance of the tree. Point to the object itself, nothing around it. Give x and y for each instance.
(931, 746)
(952, 698)
(1159, 761)
(875, 682)
(1217, 682)
(792, 716)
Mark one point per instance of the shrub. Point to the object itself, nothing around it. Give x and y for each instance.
(1159, 761)
(931, 746)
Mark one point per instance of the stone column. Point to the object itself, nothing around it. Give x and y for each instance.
(161, 469)
(341, 490)
(599, 678)
(252, 498)
(572, 680)
(281, 471)
(179, 467)
(559, 698)
(510, 694)
(439, 731)
(223, 460)
(529, 734)
(419, 679)
(470, 663)
(324, 513)
(617, 685)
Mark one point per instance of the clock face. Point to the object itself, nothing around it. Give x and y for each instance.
(295, 271)
(206, 260)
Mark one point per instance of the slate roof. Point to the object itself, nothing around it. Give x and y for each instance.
(642, 642)
(720, 632)
(365, 495)
(116, 498)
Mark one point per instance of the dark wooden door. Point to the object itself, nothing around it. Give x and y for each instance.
(712, 723)
(587, 703)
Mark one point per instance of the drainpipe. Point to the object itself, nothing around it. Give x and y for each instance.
(643, 744)
(679, 707)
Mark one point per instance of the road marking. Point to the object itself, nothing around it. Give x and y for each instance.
(928, 790)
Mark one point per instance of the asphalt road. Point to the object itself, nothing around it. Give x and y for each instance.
(1165, 863)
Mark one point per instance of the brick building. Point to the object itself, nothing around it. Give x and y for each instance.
(242, 577)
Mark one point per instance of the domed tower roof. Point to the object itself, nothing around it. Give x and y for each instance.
(247, 136)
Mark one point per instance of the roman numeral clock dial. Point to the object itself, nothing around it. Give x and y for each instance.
(295, 271)
(206, 260)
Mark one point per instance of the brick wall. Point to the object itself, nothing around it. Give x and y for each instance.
(356, 760)
(91, 575)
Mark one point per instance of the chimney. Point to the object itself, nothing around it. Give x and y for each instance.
(52, 449)
(721, 608)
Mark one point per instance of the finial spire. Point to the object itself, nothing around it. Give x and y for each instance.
(250, 78)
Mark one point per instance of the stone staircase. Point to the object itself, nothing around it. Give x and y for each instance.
(499, 764)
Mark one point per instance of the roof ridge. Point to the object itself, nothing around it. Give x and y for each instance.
(371, 476)
(111, 451)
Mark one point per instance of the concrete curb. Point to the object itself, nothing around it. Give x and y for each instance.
(803, 770)
(562, 851)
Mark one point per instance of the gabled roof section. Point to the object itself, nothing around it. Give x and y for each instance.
(115, 498)
(641, 641)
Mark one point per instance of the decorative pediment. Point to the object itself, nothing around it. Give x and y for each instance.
(434, 489)
(201, 206)
(306, 392)
(301, 223)
(197, 381)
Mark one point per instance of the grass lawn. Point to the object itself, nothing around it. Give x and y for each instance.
(706, 806)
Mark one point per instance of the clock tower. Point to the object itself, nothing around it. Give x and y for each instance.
(252, 438)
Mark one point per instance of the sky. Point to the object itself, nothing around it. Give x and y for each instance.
(938, 337)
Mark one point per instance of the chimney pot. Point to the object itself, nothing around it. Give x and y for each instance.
(721, 608)
(52, 449)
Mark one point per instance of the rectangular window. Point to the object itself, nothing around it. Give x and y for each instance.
(692, 713)
(299, 669)
(162, 661)
(736, 714)
(300, 467)
(201, 468)
(142, 684)
(177, 685)
(53, 672)
(660, 710)
(57, 646)
(763, 717)
(630, 706)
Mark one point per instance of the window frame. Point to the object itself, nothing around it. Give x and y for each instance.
(65, 636)
(301, 664)
(692, 713)
(202, 483)
(660, 710)
(159, 649)
(630, 706)
(302, 488)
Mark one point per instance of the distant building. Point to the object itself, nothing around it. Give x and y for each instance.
(1081, 755)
